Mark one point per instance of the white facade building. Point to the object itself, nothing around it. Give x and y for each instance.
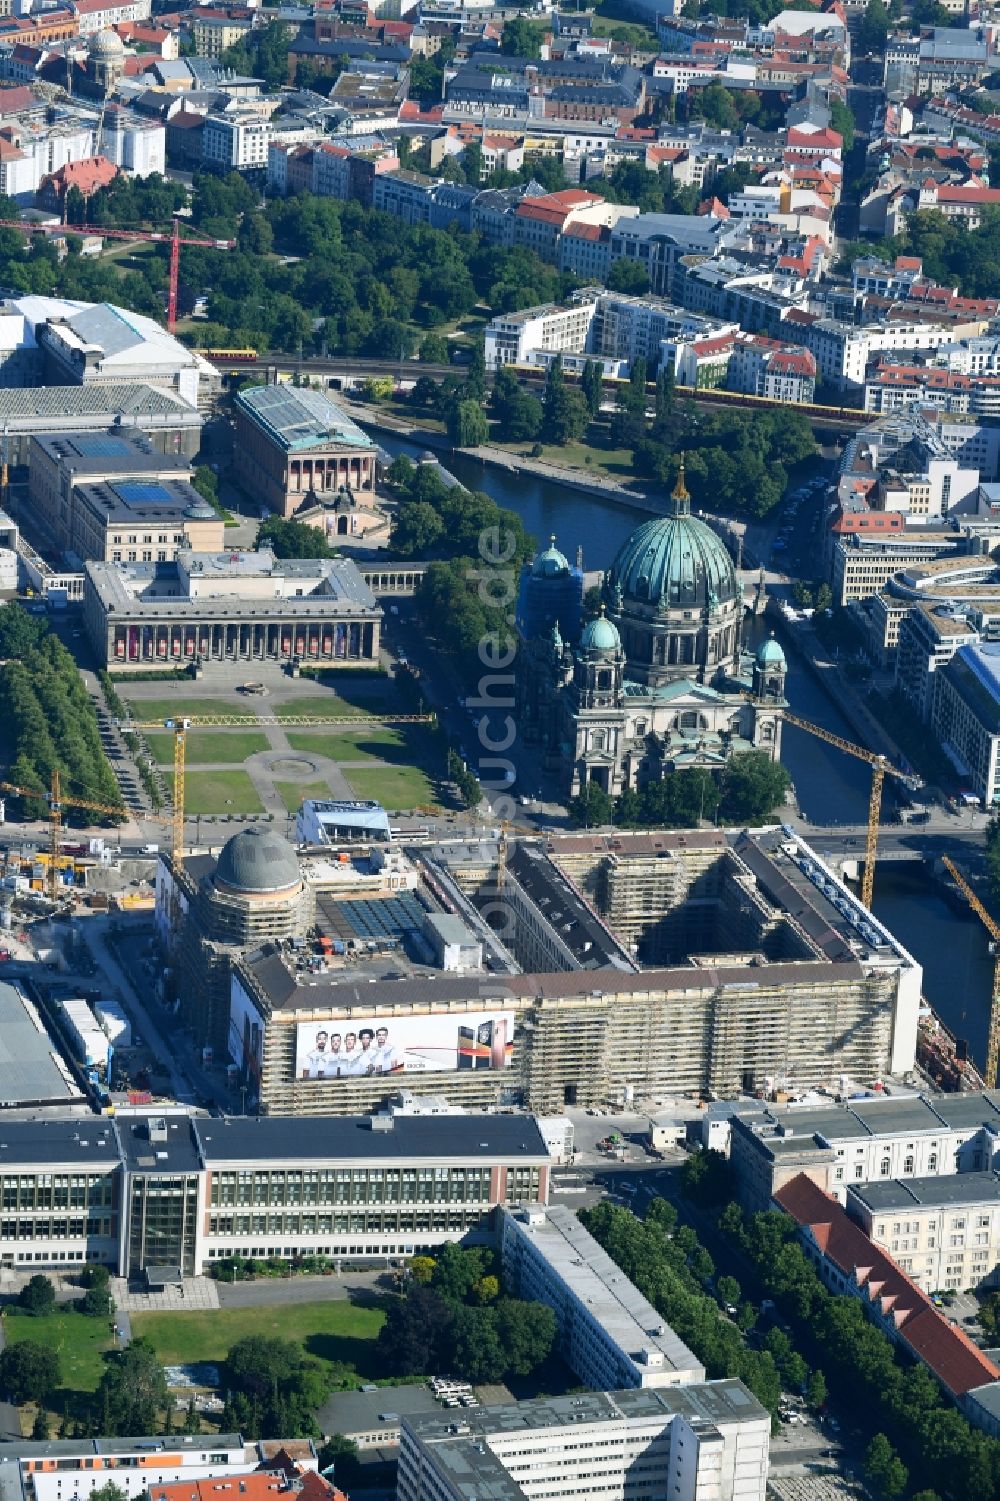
(700, 1443)
(944, 1232)
(609, 1334)
(138, 146)
(238, 142)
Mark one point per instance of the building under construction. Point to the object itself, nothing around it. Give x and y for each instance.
(624, 966)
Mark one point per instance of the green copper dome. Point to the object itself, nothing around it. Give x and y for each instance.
(550, 563)
(673, 562)
(769, 653)
(600, 635)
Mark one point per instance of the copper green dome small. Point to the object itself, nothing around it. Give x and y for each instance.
(600, 635)
(673, 562)
(769, 653)
(551, 563)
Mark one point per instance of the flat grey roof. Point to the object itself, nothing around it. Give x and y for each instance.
(178, 1154)
(365, 1412)
(31, 1070)
(89, 1141)
(344, 1138)
(599, 1284)
(949, 1191)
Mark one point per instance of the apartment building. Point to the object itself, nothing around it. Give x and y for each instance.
(610, 1336)
(862, 565)
(236, 142)
(214, 29)
(943, 1232)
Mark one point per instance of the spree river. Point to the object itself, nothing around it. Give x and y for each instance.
(831, 788)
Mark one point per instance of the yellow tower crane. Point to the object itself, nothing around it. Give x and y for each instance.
(993, 929)
(880, 768)
(180, 727)
(57, 801)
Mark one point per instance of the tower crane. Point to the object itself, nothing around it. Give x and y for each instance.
(180, 727)
(157, 236)
(57, 801)
(993, 928)
(881, 767)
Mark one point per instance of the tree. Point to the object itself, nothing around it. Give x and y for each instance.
(29, 1371)
(342, 1454)
(816, 1390)
(40, 1427)
(873, 28)
(592, 386)
(467, 425)
(591, 808)
(433, 350)
(518, 413)
(95, 1275)
(293, 539)
(95, 1303)
(133, 1391)
(274, 1387)
(522, 38)
(753, 786)
(421, 1269)
(728, 1289)
(885, 1469)
(565, 410)
(842, 121)
(37, 1297)
(707, 1178)
(630, 277)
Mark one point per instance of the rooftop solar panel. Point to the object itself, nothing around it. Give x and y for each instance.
(136, 494)
(99, 446)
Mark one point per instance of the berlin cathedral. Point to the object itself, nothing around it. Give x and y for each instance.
(659, 680)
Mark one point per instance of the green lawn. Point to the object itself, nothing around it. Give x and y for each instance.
(395, 787)
(218, 792)
(170, 708)
(334, 1330)
(408, 745)
(209, 747)
(319, 703)
(79, 1341)
(293, 793)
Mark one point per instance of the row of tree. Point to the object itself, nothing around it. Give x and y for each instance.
(915, 1431)
(748, 790)
(455, 1319)
(50, 722)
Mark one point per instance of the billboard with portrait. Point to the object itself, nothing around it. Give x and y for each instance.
(367, 1047)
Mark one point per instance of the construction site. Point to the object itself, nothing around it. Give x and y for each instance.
(594, 969)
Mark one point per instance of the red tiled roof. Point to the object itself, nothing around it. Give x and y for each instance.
(410, 110)
(9, 152)
(825, 140)
(713, 346)
(968, 195)
(794, 362)
(13, 100)
(942, 1346)
(580, 231)
(89, 174)
(713, 206)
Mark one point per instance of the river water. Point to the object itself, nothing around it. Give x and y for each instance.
(831, 787)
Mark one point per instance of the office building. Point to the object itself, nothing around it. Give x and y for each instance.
(228, 607)
(610, 1336)
(965, 716)
(141, 1191)
(687, 1443)
(293, 448)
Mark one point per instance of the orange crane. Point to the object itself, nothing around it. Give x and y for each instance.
(993, 929)
(880, 769)
(180, 728)
(57, 801)
(160, 237)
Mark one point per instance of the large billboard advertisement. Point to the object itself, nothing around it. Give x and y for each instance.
(358, 1048)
